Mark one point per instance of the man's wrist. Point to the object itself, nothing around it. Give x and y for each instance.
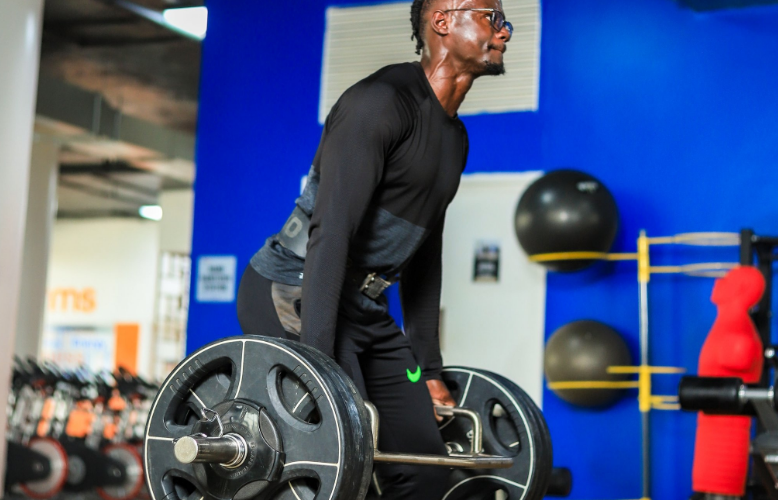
(431, 373)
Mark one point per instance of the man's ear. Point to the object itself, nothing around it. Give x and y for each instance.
(439, 22)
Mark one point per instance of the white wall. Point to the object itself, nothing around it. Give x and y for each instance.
(115, 262)
(492, 325)
(117, 258)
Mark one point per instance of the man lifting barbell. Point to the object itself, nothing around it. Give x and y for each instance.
(371, 214)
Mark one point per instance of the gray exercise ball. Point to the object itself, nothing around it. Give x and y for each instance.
(566, 211)
(583, 351)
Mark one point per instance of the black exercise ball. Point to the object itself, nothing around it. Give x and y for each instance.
(566, 211)
(582, 351)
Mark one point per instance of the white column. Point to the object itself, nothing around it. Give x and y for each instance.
(20, 39)
(41, 212)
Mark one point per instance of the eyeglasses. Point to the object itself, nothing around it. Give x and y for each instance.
(496, 18)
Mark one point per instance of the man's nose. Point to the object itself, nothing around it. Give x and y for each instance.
(504, 34)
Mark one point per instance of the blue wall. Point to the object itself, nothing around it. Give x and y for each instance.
(674, 111)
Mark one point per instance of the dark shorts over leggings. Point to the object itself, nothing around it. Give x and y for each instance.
(376, 355)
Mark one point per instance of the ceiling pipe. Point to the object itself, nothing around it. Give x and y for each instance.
(83, 122)
(151, 15)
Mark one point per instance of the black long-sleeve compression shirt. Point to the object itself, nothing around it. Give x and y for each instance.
(388, 165)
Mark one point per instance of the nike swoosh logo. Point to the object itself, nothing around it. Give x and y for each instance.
(415, 376)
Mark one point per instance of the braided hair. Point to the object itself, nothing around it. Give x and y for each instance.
(418, 9)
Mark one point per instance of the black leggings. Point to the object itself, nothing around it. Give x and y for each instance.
(377, 357)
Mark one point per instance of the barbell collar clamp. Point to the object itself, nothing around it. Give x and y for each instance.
(229, 450)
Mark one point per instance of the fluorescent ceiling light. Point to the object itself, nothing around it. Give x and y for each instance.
(151, 212)
(192, 20)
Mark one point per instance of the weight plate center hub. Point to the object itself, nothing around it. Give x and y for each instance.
(237, 453)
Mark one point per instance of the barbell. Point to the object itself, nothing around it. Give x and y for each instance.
(260, 418)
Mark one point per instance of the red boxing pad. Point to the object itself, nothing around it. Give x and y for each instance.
(733, 349)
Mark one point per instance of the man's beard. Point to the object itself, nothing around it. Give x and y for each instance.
(493, 69)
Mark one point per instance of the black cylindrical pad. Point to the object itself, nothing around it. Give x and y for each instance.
(715, 395)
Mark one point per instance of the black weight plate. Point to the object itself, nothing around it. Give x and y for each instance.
(512, 426)
(358, 470)
(540, 429)
(308, 399)
(536, 419)
(546, 448)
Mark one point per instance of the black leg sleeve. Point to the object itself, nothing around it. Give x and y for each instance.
(407, 421)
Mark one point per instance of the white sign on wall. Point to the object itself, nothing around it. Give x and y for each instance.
(71, 347)
(216, 278)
